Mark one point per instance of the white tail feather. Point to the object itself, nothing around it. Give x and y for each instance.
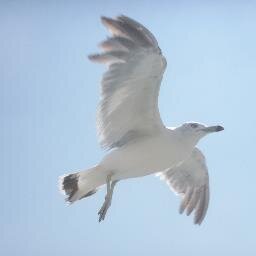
(82, 184)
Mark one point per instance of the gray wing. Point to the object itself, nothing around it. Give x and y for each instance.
(190, 181)
(128, 107)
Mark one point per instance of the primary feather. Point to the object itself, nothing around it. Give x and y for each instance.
(129, 90)
(190, 180)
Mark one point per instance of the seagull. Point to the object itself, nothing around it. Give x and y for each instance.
(130, 128)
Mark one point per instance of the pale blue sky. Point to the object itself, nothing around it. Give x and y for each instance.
(48, 96)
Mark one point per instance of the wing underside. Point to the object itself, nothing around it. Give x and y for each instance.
(190, 181)
(128, 108)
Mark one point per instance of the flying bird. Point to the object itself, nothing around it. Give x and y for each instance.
(130, 127)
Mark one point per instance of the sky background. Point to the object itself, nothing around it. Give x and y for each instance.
(48, 97)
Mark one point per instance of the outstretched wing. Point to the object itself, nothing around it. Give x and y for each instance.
(190, 181)
(128, 108)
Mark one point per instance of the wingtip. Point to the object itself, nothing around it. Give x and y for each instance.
(105, 20)
(121, 17)
(102, 17)
(181, 209)
(198, 222)
(94, 57)
(198, 219)
(118, 17)
(125, 18)
(91, 56)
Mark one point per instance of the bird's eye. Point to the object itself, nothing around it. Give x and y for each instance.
(194, 125)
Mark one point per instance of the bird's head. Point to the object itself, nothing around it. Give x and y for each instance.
(195, 131)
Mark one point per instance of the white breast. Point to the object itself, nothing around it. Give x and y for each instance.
(145, 157)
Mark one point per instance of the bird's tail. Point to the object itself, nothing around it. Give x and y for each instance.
(81, 184)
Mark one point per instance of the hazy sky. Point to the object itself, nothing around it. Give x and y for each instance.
(48, 97)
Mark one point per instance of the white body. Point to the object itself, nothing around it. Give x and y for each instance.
(130, 127)
(146, 156)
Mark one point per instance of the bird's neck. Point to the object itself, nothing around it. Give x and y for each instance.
(185, 140)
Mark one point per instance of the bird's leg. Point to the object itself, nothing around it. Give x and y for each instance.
(108, 198)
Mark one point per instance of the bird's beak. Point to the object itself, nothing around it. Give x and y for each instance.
(215, 128)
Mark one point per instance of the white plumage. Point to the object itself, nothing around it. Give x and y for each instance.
(129, 91)
(129, 123)
(190, 180)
